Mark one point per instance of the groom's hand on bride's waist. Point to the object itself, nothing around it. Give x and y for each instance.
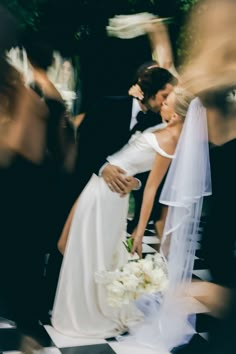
(116, 179)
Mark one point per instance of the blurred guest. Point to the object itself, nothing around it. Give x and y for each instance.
(212, 76)
(60, 141)
(60, 152)
(24, 194)
(23, 181)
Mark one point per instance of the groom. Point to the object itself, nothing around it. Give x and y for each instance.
(108, 126)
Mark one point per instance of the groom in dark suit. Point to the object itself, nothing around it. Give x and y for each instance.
(108, 126)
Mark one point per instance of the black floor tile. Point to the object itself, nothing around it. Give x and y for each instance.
(151, 227)
(195, 277)
(199, 264)
(199, 253)
(149, 233)
(205, 322)
(40, 335)
(197, 345)
(10, 339)
(89, 349)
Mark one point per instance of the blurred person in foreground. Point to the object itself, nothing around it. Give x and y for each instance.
(211, 75)
(60, 154)
(23, 186)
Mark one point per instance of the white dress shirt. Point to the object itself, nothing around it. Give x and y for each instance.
(135, 110)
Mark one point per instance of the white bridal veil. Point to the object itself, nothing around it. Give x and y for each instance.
(188, 181)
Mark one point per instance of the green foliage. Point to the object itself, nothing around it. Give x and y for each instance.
(185, 37)
(27, 12)
(131, 205)
(136, 5)
(87, 18)
(186, 5)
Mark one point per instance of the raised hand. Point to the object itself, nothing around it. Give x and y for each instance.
(135, 91)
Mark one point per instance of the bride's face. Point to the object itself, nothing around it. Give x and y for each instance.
(167, 108)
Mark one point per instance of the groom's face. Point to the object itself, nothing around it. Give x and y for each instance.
(155, 102)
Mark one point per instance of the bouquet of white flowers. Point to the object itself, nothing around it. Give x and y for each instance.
(136, 278)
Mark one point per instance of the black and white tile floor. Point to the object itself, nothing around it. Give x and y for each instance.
(53, 342)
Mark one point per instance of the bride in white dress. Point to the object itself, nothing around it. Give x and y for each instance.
(97, 230)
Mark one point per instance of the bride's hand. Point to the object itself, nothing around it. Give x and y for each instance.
(137, 244)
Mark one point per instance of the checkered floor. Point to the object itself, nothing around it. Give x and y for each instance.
(52, 342)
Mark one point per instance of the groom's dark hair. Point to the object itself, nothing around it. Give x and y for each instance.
(153, 79)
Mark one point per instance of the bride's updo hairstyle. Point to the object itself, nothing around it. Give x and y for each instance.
(182, 101)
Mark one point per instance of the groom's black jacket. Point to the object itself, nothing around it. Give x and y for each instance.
(104, 130)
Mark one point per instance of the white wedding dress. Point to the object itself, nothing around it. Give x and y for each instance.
(95, 244)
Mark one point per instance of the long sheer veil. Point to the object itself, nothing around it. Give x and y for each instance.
(188, 181)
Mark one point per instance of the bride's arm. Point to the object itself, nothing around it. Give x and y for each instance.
(156, 175)
(61, 245)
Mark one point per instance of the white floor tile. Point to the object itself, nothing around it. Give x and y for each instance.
(151, 240)
(204, 335)
(62, 341)
(148, 249)
(51, 350)
(203, 274)
(4, 323)
(125, 348)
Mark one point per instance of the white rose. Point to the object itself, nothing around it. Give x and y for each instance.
(131, 282)
(150, 288)
(116, 288)
(149, 257)
(157, 276)
(133, 268)
(147, 267)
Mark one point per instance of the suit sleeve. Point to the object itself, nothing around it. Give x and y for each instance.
(92, 150)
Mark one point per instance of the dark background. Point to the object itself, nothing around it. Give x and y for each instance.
(77, 28)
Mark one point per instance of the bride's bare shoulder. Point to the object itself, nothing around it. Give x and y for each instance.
(166, 141)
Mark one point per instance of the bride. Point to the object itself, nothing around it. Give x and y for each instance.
(95, 229)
